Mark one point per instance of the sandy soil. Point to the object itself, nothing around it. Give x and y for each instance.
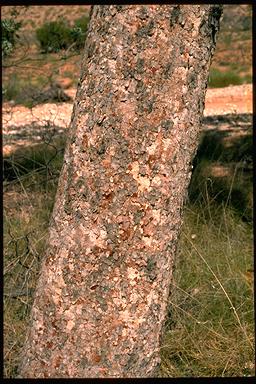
(23, 126)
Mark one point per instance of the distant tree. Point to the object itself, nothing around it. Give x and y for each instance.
(101, 298)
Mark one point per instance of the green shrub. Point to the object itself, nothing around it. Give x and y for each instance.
(57, 35)
(54, 36)
(218, 79)
(78, 32)
(9, 29)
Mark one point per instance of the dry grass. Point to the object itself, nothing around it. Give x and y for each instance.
(210, 331)
(29, 190)
(211, 321)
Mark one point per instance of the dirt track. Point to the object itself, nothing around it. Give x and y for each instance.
(23, 126)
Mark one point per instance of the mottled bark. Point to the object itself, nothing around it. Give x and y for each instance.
(101, 299)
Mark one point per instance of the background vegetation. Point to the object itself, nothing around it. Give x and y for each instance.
(210, 327)
(48, 50)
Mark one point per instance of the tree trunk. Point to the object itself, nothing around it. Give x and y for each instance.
(101, 299)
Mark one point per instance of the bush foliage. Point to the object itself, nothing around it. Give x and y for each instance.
(58, 35)
(78, 32)
(54, 36)
(9, 28)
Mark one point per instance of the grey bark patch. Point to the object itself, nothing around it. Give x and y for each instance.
(174, 15)
(83, 362)
(167, 124)
(131, 361)
(137, 216)
(140, 65)
(102, 148)
(90, 48)
(192, 80)
(146, 30)
(143, 14)
(168, 70)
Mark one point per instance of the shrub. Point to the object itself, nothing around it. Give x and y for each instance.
(218, 79)
(57, 35)
(78, 32)
(9, 35)
(54, 36)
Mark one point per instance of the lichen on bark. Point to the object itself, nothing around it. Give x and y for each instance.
(101, 299)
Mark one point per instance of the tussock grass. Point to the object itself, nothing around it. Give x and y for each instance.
(210, 326)
(210, 331)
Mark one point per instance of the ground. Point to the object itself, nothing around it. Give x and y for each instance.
(24, 126)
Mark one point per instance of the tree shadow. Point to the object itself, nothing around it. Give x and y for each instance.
(42, 152)
(222, 167)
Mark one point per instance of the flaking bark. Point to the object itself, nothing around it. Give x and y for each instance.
(101, 298)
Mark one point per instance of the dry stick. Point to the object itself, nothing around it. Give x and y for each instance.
(188, 294)
(223, 289)
(228, 239)
(32, 246)
(207, 197)
(8, 352)
(231, 186)
(15, 295)
(226, 365)
(23, 188)
(198, 322)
